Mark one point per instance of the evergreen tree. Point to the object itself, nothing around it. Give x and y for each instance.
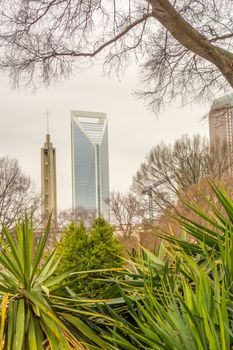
(86, 250)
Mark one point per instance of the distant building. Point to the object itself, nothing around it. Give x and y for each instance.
(221, 120)
(221, 125)
(90, 167)
(48, 182)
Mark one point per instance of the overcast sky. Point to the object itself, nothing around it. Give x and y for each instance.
(133, 129)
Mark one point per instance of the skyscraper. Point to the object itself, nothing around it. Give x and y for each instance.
(48, 182)
(221, 121)
(90, 169)
(221, 125)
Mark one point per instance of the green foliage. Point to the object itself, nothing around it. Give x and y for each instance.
(32, 315)
(88, 250)
(180, 298)
(184, 308)
(26, 315)
(183, 297)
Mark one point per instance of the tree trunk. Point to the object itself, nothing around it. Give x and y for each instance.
(190, 38)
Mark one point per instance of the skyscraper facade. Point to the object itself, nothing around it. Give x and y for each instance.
(221, 125)
(90, 167)
(48, 182)
(221, 120)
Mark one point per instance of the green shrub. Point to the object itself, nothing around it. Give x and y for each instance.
(88, 250)
(32, 315)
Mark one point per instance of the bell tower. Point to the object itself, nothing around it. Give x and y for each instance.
(48, 182)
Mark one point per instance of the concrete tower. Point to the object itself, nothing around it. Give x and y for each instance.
(48, 181)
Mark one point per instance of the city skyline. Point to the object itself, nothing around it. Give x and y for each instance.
(133, 129)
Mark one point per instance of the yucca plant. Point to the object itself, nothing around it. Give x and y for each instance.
(188, 308)
(32, 315)
(179, 299)
(187, 301)
(195, 316)
(215, 233)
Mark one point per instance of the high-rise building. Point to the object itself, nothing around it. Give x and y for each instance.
(221, 125)
(221, 120)
(90, 168)
(48, 181)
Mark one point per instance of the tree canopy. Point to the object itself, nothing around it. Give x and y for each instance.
(184, 47)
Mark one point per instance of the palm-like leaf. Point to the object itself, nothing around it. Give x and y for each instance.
(30, 313)
(186, 313)
(186, 303)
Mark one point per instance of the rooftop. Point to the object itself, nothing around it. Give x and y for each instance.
(222, 101)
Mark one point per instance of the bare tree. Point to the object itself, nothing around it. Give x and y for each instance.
(199, 196)
(17, 193)
(169, 171)
(184, 47)
(75, 215)
(126, 212)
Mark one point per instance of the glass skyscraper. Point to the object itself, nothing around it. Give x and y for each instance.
(90, 169)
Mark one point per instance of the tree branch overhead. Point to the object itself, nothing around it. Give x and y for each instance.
(184, 47)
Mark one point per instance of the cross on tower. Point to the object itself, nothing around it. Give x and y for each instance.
(47, 116)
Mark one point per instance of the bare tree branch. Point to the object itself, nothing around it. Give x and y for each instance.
(17, 193)
(126, 212)
(179, 167)
(65, 217)
(184, 47)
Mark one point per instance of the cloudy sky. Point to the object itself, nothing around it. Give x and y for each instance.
(133, 129)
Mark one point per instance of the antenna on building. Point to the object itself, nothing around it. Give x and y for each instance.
(47, 116)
